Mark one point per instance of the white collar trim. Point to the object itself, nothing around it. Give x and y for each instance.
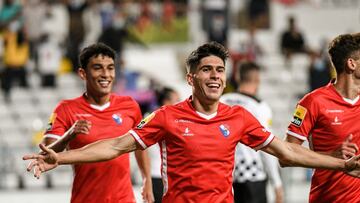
(207, 117)
(100, 108)
(351, 101)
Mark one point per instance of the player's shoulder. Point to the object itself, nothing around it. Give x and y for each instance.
(71, 101)
(316, 95)
(124, 100)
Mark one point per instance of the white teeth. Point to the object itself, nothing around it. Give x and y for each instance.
(104, 82)
(213, 85)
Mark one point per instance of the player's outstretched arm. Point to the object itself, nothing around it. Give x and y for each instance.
(290, 154)
(95, 152)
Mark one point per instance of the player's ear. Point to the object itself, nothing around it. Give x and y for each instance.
(82, 73)
(190, 78)
(351, 64)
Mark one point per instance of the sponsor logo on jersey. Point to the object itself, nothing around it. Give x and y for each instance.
(117, 118)
(51, 121)
(187, 132)
(334, 111)
(83, 115)
(299, 115)
(336, 121)
(224, 130)
(144, 121)
(182, 121)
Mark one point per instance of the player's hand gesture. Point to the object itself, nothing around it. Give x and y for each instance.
(79, 127)
(352, 166)
(45, 161)
(347, 149)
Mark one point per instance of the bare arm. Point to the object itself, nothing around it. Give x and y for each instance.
(95, 152)
(102, 150)
(143, 162)
(290, 154)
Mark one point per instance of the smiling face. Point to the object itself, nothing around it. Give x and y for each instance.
(208, 80)
(99, 76)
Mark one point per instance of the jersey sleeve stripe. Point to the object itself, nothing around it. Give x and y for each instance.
(52, 136)
(301, 137)
(137, 138)
(264, 144)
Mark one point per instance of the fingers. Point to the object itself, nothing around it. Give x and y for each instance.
(33, 156)
(349, 150)
(45, 149)
(82, 126)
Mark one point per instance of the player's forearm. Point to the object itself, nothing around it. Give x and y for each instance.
(143, 162)
(307, 158)
(102, 150)
(290, 154)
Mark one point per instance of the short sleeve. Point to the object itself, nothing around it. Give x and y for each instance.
(254, 134)
(58, 123)
(304, 118)
(151, 129)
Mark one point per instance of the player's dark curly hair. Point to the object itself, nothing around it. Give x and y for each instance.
(342, 48)
(95, 50)
(208, 49)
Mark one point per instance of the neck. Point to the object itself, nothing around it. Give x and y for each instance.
(97, 100)
(248, 89)
(347, 86)
(206, 108)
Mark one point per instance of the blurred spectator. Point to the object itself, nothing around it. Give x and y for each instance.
(11, 15)
(292, 41)
(16, 56)
(320, 68)
(215, 20)
(92, 23)
(107, 10)
(165, 96)
(250, 47)
(76, 30)
(55, 24)
(50, 56)
(34, 12)
(258, 13)
(145, 19)
(168, 16)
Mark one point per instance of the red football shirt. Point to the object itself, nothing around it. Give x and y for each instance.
(198, 153)
(326, 120)
(104, 181)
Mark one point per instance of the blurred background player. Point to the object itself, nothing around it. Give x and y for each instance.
(253, 168)
(327, 117)
(98, 114)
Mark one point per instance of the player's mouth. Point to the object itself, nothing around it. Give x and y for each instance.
(104, 83)
(213, 85)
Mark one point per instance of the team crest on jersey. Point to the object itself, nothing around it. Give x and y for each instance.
(51, 121)
(144, 121)
(224, 129)
(299, 115)
(117, 118)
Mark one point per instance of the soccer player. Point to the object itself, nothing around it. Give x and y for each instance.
(253, 168)
(95, 115)
(197, 138)
(327, 116)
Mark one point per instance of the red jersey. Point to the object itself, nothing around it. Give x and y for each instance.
(197, 153)
(325, 119)
(104, 181)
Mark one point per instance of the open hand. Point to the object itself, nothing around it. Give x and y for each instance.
(45, 161)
